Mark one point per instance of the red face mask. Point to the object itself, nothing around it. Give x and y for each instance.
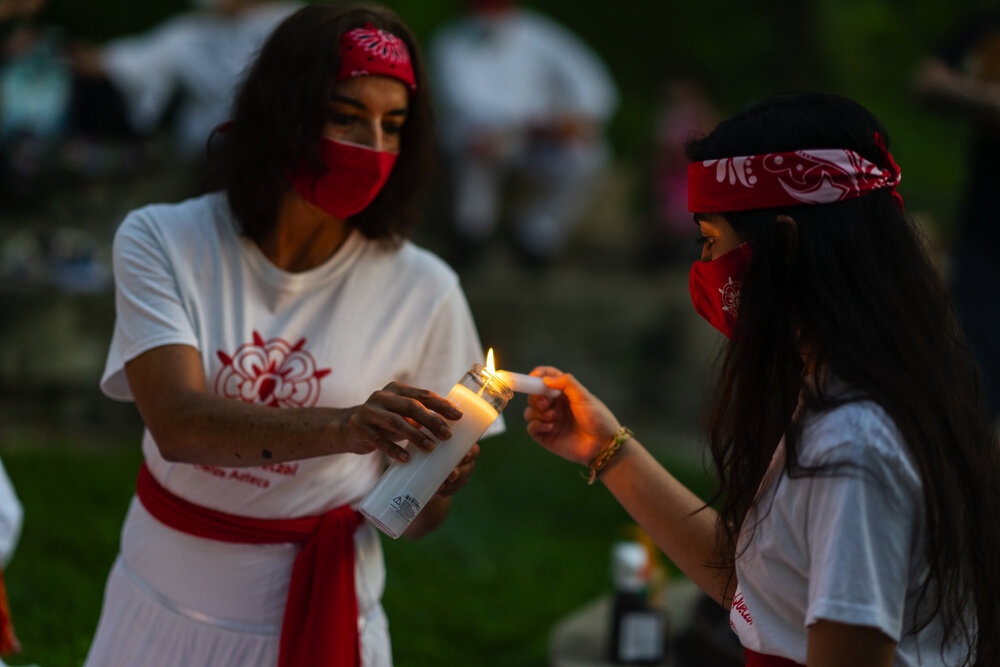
(716, 287)
(355, 175)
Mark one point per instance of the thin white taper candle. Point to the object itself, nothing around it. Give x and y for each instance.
(527, 384)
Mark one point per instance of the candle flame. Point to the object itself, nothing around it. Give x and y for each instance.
(489, 363)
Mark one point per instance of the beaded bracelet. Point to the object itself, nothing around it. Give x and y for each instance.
(599, 462)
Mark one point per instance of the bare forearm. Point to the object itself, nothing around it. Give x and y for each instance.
(191, 425)
(671, 514)
(950, 90)
(212, 430)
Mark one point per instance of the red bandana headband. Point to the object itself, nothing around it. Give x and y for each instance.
(774, 180)
(370, 51)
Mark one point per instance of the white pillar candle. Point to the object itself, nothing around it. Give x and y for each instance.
(405, 488)
(527, 384)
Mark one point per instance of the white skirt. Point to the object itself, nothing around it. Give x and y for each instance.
(175, 600)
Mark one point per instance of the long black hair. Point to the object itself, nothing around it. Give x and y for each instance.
(279, 113)
(851, 286)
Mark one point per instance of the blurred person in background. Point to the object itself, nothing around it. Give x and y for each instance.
(520, 97)
(36, 90)
(857, 468)
(686, 111)
(964, 79)
(281, 338)
(197, 58)
(69, 108)
(57, 129)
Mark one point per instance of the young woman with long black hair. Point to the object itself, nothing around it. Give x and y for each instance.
(857, 469)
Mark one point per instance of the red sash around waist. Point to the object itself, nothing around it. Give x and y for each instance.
(754, 659)
(8, 642)
(320, 625)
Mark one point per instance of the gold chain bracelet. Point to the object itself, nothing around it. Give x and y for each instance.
(599, 462)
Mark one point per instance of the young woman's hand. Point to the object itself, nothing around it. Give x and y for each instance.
(576, 425)
(394, 413)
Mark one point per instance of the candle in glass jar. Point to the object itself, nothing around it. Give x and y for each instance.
(405, 488)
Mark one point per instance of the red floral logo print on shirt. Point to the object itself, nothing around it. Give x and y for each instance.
(271, 373)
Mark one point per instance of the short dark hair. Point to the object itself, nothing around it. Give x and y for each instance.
(853, 288)
(279, 113)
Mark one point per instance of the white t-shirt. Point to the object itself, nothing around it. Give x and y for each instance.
(201, 54)
(514, 69)
(329, 336)
(11, 518)
(847, 547)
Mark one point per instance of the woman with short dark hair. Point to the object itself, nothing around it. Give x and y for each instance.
(857, 469)
(292, 287)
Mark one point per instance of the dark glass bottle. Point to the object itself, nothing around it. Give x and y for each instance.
(637, 629)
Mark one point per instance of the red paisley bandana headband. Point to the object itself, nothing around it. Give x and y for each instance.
(369, 51)
(774, 180)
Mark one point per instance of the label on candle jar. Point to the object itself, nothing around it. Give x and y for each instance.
(405, 506)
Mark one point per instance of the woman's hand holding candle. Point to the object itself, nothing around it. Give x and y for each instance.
(576, 426)
(459, 477)
(395, 413)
